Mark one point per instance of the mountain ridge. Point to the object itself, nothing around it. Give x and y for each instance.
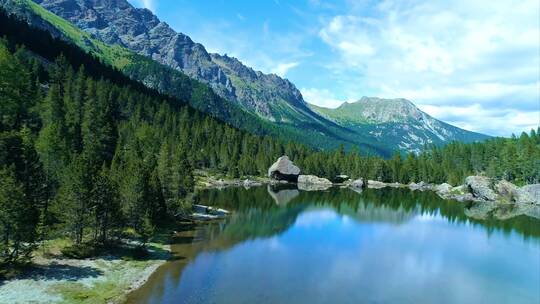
(399, 119)
(137, 29)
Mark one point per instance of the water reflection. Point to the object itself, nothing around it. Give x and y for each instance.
(385, 246)
(282, 195)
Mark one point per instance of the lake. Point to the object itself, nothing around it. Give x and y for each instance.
(339, 246)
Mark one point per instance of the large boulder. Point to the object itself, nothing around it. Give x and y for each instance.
(248, 183)
(284, 169)
(443, 189)
(533, 191)
(512, 193)
(313, 183)
(314, 180)
(422, 186)
(506, 189)
(480, 187)
(357, 183)
(375, 184)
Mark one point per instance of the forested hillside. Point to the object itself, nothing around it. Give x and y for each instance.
(315, 133)
(87, 152)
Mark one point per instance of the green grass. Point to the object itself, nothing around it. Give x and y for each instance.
(117, 276)
(115, 55)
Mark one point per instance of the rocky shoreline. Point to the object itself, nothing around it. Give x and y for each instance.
(475, 189)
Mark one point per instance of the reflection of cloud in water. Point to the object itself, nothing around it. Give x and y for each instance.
(315, 218)
(274, 244)
(417, 258)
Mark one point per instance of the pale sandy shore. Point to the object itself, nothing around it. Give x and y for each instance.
(104, 279)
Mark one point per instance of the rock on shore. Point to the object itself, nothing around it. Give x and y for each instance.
(313, 183)
(357, 183)
(284, 169)
(533, 191)
(481, 187)
(375, 184)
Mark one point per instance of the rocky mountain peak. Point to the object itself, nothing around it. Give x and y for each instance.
(380, 110)
(118, 22)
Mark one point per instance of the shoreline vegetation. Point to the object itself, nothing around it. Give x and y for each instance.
(106, 277)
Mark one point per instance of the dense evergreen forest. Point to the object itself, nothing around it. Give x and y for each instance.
(89, 153)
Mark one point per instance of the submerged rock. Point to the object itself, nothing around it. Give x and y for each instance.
(481, 187)
(284, 169)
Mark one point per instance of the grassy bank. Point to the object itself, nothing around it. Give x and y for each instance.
(105, 278)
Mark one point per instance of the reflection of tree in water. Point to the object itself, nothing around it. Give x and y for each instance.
(256, 213)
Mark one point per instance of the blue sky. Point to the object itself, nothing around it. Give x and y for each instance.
(474, 64)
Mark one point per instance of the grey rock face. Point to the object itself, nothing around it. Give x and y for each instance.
(357, 183)
(506, 189)
(512, 193)
(137, 29)
(284, 169)
(481, 187)
(251, 183)
(313, 180)
(534, 192)
(422, 186)
(443, 189)
(375, 184)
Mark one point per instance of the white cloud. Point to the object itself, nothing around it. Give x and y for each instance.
(500, 122)
(149, 4)
(457, 53)
(282, 68)
(320, 97)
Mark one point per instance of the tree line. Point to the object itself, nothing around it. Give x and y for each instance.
(92, 155)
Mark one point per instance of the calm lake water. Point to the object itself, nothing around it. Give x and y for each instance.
(339, 246)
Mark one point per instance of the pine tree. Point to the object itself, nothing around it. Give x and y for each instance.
(74, 202)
